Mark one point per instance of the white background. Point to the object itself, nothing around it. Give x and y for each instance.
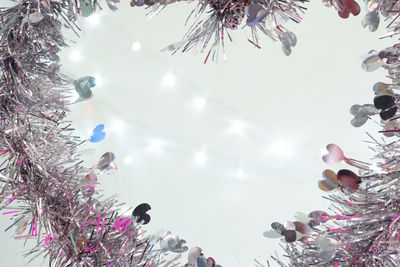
(258, 120)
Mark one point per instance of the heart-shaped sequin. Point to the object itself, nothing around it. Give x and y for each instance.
(140, 212)
(387, 105)
(255, 14)
(371, 20)
(288, 40)
(98, 134)
(348, 179)
(372, 62)
(83, 86)
(330, 182)
(361, 114)
(349, 6)
(334, 154)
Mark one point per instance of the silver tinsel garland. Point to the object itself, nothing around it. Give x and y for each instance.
(52, 197)
(215, 19)
(363, 227)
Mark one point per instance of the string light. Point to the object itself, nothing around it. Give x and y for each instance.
(199, 103)
(128, 160)
(118, 126)
(93, 20)
(156, 146)
(237, 127)
(239, 173)
(75, 56)
(169, 80)
(281, 148)
(200, 157)
(136, 46)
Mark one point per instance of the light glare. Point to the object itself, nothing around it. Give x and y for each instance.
(169, 80)
(156, 146)
(128, 160)
(136, 46)
(200, 158)
(239, 173)
(199, 103)
(93, 20)
(118, 126)
(282, 148)
(237, 127)
(75, 56)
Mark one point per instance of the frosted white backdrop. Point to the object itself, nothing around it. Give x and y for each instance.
(221, 150)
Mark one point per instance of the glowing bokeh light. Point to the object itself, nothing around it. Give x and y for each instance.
(128, 160)
(199, 103)
(200, 157)
(237, 127)
(169, 80)
(75, 56)
(136, 46)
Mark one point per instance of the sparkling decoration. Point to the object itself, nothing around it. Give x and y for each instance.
(197, 259)
(173, 243)
(98, 134)
(83, 85)
(214, 20)
(387, 105)
(362, 114)
(372, 62)
(364, 229)
(53, 197)
(86, 7)
(347, 7)
(105, 161)
(371, 20)
(140, 212)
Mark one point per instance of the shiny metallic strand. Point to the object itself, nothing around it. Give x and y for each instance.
(365, 230)
(41, 171)
(214, 20)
